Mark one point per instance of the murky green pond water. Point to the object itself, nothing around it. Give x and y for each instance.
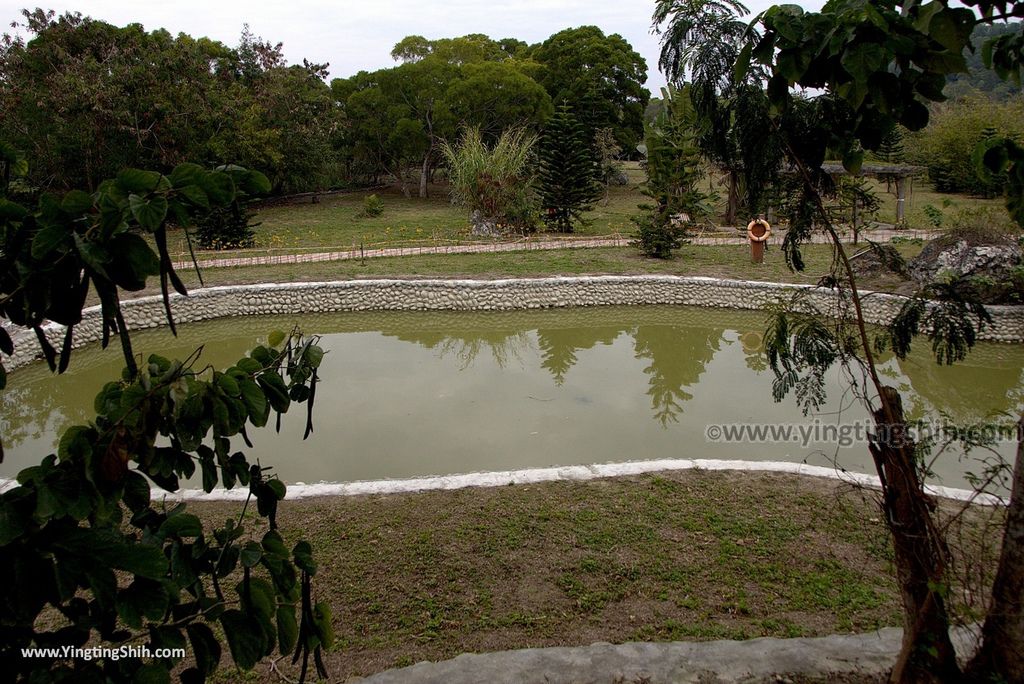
(410, 394)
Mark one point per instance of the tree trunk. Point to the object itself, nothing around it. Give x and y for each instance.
(856, 219)
(424, 175)
(927, 655)
(402, 183)
(1001, 656)
(732, 206)
(919, 548)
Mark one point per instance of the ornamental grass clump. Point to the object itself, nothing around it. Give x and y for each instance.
(494, 182)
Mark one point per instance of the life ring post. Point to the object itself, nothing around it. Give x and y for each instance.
(758, 232)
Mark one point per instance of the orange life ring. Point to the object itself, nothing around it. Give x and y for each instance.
(759, 238)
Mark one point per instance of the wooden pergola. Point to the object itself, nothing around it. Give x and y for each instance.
(899, 173)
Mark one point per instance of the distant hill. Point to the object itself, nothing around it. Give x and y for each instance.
(978, 77)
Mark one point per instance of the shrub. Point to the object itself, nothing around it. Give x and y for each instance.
(657, 238)
(934, 215)
(372, 206)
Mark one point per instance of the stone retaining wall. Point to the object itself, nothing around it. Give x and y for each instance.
(488, 295)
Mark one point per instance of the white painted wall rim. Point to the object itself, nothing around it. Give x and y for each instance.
(301, 490)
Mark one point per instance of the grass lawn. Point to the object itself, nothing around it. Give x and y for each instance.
(333, 223)
(920, 195)
(675, 556)
(729, 261)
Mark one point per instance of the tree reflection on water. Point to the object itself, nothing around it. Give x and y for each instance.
(678, 357)
(627, 357)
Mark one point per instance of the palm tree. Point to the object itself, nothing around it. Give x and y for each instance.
(700, 42)
(702, 36)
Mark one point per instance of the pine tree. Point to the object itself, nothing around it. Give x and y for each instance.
(227, 227)
(674, 175)
(891, 149)
(568, 176)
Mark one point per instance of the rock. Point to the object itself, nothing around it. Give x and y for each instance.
(679, 221)
(483, 227)
(966, 257)
(870, 263)
(530, 293)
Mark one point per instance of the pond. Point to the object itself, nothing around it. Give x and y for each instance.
(406, 394)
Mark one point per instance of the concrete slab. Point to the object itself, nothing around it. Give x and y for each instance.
(714, 662)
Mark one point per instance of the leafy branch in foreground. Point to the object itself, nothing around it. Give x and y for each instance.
(89, 554)
(86, 512)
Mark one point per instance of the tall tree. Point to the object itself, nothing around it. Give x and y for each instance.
(402, 114)
(891, 149)
(568, 176)
(496, 96)
(602, 76)
(423, 87)
(700, 42)
(86, 98)
(381, 134)
(877, 65)
(285, 118)
(475, 47)
(399, 116)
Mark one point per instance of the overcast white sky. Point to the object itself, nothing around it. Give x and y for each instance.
(355, 35)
